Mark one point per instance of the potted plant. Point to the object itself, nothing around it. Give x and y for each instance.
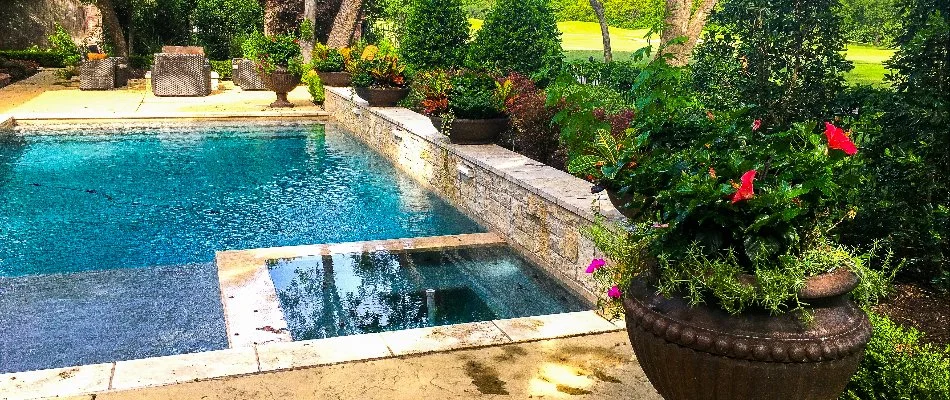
(467, 106)
(378, 76)
(331, 65)
(730, 279)
(278, 61)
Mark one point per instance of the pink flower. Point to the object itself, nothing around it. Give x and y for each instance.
(595, 264)
(614, 292)
(838, 140)
(745, 190)
(756, 124)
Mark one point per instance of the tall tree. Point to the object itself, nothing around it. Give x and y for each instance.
(604, 32)
(344, 25)
(684, 19)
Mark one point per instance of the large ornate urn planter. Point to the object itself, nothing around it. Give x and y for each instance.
(281, 82)
(472, 131)
(381, 97)
(621, 202)
(335, 79)
(702, 352)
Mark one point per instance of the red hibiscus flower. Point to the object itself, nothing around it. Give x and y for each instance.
(838, 140)
(745, 190)
(756, 124)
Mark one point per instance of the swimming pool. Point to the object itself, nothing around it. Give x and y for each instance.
(108, 235)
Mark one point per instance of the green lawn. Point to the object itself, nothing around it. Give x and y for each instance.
(582, 40)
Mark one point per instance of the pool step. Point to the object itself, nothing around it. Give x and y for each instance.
(252, 310)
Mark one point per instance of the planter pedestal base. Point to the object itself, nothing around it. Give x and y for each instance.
(281, 101)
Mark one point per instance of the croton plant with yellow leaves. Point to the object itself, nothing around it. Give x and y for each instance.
(378, 66)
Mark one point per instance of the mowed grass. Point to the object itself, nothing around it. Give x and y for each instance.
(582, 40)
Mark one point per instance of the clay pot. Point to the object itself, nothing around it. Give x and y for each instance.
(702, 352)
(382, 97)
(280, 81)
(335, 79)
(473, 131)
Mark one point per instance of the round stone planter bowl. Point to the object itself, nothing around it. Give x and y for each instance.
(381, 97)
(473, 131)
(281, 82)
(702, 352)
(335, 79)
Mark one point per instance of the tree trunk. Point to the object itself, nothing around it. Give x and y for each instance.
(112, 28)
(344, 24)
(682, 21)
(599, 10)
(309, 14)
(281, 16)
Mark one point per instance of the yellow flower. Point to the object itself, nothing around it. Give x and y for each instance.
(369, 53)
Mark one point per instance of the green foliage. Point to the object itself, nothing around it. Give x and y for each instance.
(535, 134)
(141, 62)
(223, 68)
(870, 21)
(376, 66)
(462, 94)
(782, 59)
(270, 52)
(435, 35)
(152, 24)
(627, 14)
(617, 75)
(42, 58)
(327, 59)
(61, 43)
(898, 365)
(219, 23)
(314, 87)
(907, 198)
(520, 36)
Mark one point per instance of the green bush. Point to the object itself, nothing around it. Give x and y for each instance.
(874, 22)
(223, 68)
(219, 23)
(435, 35)
(791, 58)
(141, 62)
(61, 43)
(43, 58)
(617, 75)
(897, 365)
(314, 87)
(519, 36)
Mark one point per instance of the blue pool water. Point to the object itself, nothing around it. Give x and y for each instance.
(347, 294)
(174, 196)
(107, 236)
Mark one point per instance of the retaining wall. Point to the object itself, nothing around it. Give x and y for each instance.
(538, 209)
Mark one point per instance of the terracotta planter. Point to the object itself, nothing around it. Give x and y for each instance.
(473, 131)
(335, 79)
(703, 352)
(382, 97)
(281, 82)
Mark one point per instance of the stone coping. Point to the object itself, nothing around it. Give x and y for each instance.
(252, 313)
(7, 122)
(277, 356)
(554, 185)
(37, 118)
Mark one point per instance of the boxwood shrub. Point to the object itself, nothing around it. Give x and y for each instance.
(435, 35)
(519, 36)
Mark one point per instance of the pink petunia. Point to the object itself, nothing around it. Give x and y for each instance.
(595, 264)
(614, 292)
(745, 190)
(837, 139)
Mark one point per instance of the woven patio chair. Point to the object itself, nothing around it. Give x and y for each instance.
(177, 74)
(245, 74)
(98, 74)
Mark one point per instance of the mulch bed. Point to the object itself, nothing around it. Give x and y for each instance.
(921, 307)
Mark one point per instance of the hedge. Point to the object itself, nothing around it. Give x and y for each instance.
(43, 58)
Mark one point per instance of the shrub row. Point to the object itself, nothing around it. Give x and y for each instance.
(43, 58)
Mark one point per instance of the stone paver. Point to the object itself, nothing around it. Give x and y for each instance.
(584, 367)
(183, 368)
(442, 338)
(52, 382)
(554, 325)
(307, 353)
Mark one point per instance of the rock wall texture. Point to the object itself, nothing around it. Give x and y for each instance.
(539, 210)
(25, 23)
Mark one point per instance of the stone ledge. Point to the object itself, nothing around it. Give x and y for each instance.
(7, 122)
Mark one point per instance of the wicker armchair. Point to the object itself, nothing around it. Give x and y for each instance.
(181, 75)
(105, 74)
(245, 74)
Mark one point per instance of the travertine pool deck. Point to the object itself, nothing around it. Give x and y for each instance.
(44, 97)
